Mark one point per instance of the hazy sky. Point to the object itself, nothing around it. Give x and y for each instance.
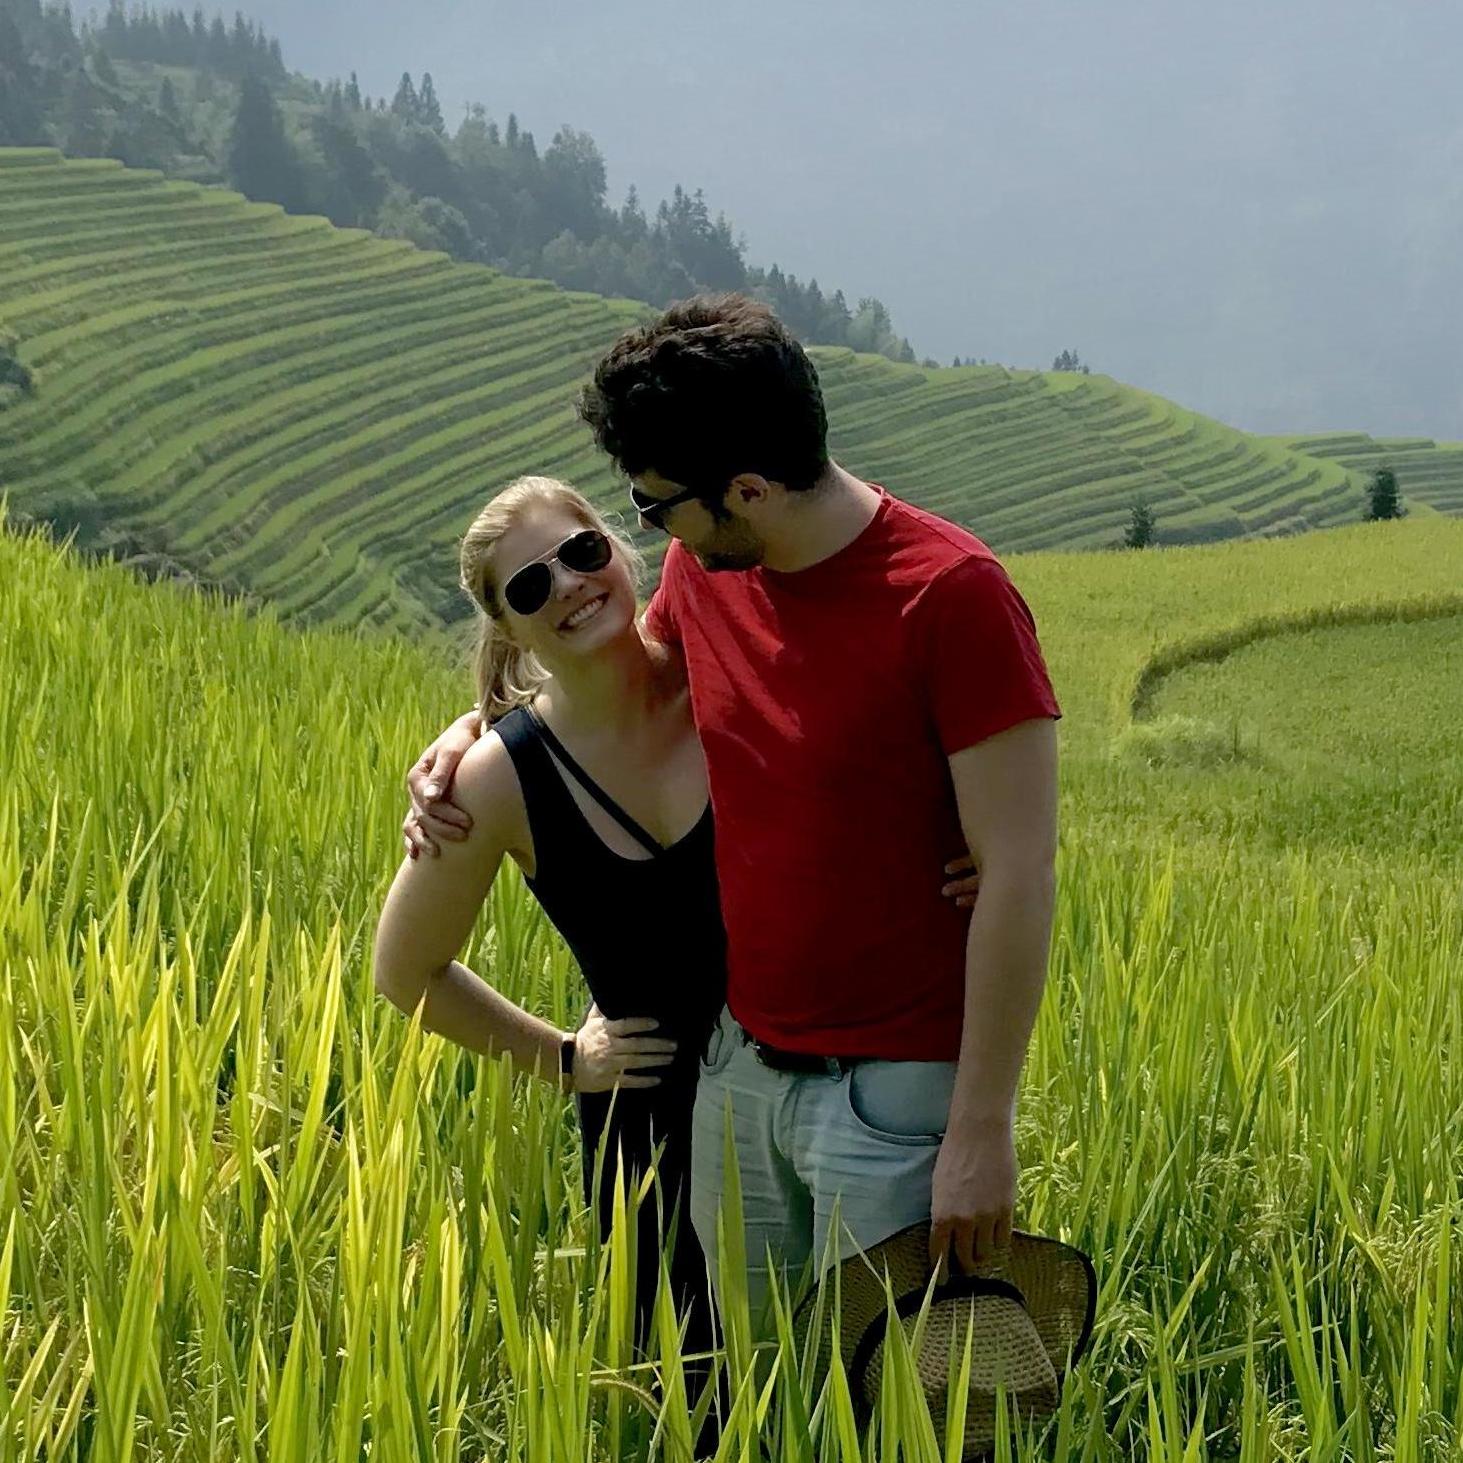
(1255, 209)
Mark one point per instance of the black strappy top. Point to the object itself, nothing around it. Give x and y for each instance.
(646, 932)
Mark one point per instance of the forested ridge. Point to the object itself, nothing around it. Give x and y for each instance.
(201, 98)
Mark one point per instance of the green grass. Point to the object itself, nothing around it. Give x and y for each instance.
(249, 1212)
(314, 415)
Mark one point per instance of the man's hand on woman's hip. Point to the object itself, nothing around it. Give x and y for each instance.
(433, 816)
(609, 1054)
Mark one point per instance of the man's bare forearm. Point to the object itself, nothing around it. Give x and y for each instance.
(1006, 957)
(469, 1011)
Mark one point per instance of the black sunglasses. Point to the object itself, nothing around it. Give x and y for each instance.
(652, 509)
(527, 591)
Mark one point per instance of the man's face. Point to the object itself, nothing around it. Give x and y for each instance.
(725, 542)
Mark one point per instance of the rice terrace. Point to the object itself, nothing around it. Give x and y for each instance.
(248, 1212)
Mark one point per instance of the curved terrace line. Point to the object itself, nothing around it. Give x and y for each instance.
(1217, 645)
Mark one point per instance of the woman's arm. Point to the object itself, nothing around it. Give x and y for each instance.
(428, 915)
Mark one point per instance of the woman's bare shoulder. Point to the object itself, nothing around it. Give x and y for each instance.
(486, 787)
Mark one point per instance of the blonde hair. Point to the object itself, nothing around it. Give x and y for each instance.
(507, 675)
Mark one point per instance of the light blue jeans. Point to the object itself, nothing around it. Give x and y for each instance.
(861, 1144)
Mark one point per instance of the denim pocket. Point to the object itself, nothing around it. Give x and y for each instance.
(719, 1045)
(901, 1102)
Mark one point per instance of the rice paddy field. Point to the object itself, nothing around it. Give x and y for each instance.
(1429, 473)
(312, 415)
(249, 1212)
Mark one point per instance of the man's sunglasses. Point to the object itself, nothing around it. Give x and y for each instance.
(653, 509)
(527, 591)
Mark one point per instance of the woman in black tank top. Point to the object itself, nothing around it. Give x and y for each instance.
(558, 632)
(648, 937)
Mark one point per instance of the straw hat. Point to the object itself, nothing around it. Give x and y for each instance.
(1029, 1312)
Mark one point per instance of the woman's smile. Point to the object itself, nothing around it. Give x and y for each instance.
(584, 613)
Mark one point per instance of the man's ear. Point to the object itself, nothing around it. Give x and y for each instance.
(749, 487)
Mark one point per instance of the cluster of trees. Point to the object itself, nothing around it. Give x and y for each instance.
(58, 87)
(480, 193)
(172, 38)
(1070, 361)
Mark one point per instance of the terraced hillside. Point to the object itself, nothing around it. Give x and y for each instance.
(1428, 472)
(313, 414)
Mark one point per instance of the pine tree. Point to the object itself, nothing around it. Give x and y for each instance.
(114, 29)
(218, 45)
(1142, 525)
(102, 68)
(81, 124)
(261, 162)
(21, 121)
(241, 45)
(353, 187)
(353, 93)
(429, 111)
(632, 216)
(177, 39)
(167, 101)
(1384, 500)
(405, 104)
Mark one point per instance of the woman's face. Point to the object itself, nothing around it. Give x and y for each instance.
(584, 610)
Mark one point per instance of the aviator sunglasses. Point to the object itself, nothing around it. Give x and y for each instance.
(527, 591)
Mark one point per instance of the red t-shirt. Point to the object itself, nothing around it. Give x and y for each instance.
(828, 701)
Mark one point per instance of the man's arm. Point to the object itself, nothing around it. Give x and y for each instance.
(1006, 791)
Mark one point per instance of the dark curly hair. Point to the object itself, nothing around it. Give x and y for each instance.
(717, 386)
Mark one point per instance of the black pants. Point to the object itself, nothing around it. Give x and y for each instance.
(640, 1120)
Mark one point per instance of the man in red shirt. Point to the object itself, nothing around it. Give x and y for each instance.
(871, 697)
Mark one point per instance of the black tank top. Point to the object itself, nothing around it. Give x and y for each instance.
(646, 932)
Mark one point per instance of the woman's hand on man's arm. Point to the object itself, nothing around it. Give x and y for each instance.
(433, 815)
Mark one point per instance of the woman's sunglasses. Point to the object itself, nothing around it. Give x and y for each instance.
(527, 591)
